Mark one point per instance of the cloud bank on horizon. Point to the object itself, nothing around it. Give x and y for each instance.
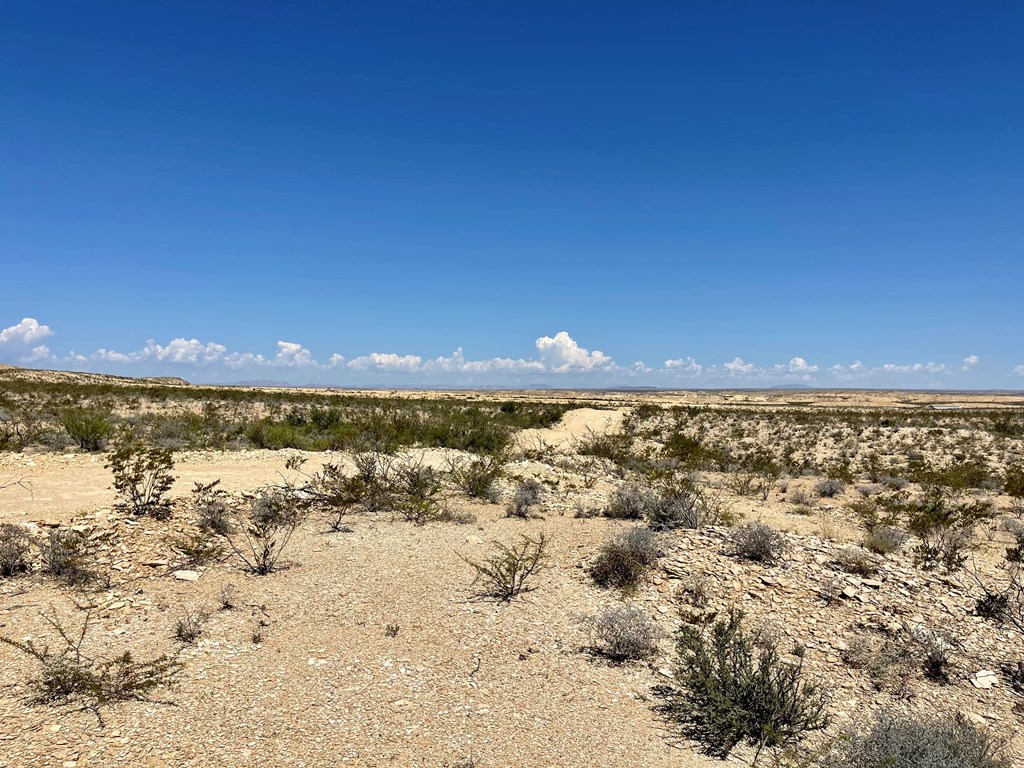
(559, 360)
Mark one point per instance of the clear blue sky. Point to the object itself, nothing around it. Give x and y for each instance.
(799, 185)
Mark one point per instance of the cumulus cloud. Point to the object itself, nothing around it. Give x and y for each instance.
(377, 361)
(969, 362)
(737, 366)
(27, 332)
(684, 365)
(562, 353)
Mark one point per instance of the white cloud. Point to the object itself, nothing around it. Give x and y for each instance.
(562, 353)
(377, 361)
(969, 362)
(1018, 370)
(28, 331)
(684, 365)
(292, 355)
(739, 367)
(336, 361)
(799, 365)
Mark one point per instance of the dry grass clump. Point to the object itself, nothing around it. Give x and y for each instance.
(15, 546)
(68, 556)
(759, 543)
(625, 561)
(885, 540)
(189, 625)
(625, 633)
(896, 741)
(857, 561)
(526, 499)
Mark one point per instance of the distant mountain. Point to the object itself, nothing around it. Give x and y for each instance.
(260, 383)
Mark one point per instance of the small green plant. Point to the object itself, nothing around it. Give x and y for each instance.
(197, 548)
(735, 688)
(142, 474)
(15, 546)
(417, 491)
(504, 574)
(625, 633)
(189, 626)
(896, 741)
(89, 428)
(625, 561)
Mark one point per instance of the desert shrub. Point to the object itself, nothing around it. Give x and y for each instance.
(197, 547)
(15, 546)
(631, 501)
(992, 605)
(209, 508)
(625, 561)
(68, 556)
(374, 472)
(503, 575)
(759, 543)
(226, 599)
(736, 688)
(527, 496)
(1014, 486)
(885, 540)
(827, 489)
(68, 674)
(938, 742)
(416, 491)
(616, 447)
(800, 497)
(265, 531)
(142, 474)
(935, 650)
(945, 529)
(889, 662)
(19, 426)
(857, 561)
(478, 477)
(189, 626)
(89, 428)
(625, 633)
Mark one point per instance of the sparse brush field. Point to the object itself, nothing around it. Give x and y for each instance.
(199, 576)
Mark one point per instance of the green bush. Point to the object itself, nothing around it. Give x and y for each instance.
(945, 528)
(503, 575)
(142, 474)
(265, 531)
(734, 688)
(89, 428)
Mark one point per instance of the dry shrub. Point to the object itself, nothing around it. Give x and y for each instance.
(626, 633)
(15, 546)
(504, 574)
(625, 561)
(759, 543)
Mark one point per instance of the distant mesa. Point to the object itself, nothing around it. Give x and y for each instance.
(261, 383)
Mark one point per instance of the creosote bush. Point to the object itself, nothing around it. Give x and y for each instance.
(142, 474)
(265, 531)
(478, 476)
(896, 741)
(89, 428)
(945, 529)
(68, 556)
(15, 546)
(759, 543)
(526, 498)
(625, 561)
(827, 489)
(625, 633)
(210, 509)
(734, 688)
(503, 575)
(69, 675)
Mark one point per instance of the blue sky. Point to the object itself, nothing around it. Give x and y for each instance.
(709, 193)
